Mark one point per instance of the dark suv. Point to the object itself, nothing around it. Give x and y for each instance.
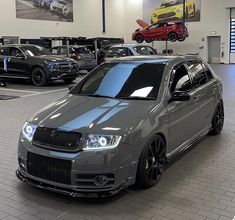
(36, 64)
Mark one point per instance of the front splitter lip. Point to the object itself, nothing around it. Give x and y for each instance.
(67, 192)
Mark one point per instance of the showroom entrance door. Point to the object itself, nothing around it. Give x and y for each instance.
(214, 49)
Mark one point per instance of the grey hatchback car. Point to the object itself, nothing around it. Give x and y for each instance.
(120, 125)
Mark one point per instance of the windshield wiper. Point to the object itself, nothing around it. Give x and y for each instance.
(137, 98)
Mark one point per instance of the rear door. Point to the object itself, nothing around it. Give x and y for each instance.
(204, 92)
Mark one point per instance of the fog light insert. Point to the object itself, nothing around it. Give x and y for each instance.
(101, 180)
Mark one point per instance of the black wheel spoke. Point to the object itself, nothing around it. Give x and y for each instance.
(154, 160)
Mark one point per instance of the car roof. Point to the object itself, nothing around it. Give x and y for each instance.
(126, 45)
(72, 46)
(154, 59)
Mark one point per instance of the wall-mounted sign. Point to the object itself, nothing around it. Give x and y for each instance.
(171, 10)
(50, 10)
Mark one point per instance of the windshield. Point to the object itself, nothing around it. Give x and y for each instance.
(35, 51)
(123, 80)
(118, 52)
(169, 3)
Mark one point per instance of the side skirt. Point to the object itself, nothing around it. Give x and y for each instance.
(186, 145)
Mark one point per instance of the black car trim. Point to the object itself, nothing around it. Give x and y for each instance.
(68, 192)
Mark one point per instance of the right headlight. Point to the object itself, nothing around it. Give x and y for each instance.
(28, 131)
(101, 142)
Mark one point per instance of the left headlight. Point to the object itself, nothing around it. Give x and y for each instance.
(53, 67)
(28, 131)
(101, 142)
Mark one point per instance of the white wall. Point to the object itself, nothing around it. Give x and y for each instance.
(121, 18)
(87, 21)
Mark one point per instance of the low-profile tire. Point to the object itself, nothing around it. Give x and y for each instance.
(152, 162)
(172, 37)
(148, 40)
(218, 119)
(69, 80)
(39, 77)
(181, 39)
(139, 38)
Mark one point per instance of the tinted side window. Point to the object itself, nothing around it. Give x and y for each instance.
(208, 72)
(13, 51)
(199, 75)
(63, 51)
(180, 80)
(4, 51)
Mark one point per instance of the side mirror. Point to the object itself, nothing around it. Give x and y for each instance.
(21, 56)
(179, 96)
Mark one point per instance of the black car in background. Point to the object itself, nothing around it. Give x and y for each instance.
(81, 54)
(35, 63)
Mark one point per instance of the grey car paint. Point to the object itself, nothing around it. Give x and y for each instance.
(180, 123)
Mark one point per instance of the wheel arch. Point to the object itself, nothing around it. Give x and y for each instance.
(33, 67)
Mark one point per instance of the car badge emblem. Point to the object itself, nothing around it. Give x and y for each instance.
(54, 133)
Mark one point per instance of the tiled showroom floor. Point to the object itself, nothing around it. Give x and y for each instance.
(199, 185)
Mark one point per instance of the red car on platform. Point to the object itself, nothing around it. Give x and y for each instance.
(171, 31)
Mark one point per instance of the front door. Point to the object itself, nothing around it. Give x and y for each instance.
(181, 114)
(17, 63)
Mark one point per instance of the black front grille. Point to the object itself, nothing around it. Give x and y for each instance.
(166, 15)
(51, 169)
(68, 67)
(57, 139)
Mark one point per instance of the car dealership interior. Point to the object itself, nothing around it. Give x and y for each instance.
(117, 109)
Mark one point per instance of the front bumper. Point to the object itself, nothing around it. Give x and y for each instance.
(81, 177)
(86, 65)
(65, 191)
(61, 75)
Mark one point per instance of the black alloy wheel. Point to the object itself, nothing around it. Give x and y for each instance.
(173, 37)
(152, 162)
(218, 119)
(39, 77)
(139, 38)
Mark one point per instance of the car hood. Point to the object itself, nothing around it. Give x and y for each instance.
(169, 9)
(90, 114)
(52, 58)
